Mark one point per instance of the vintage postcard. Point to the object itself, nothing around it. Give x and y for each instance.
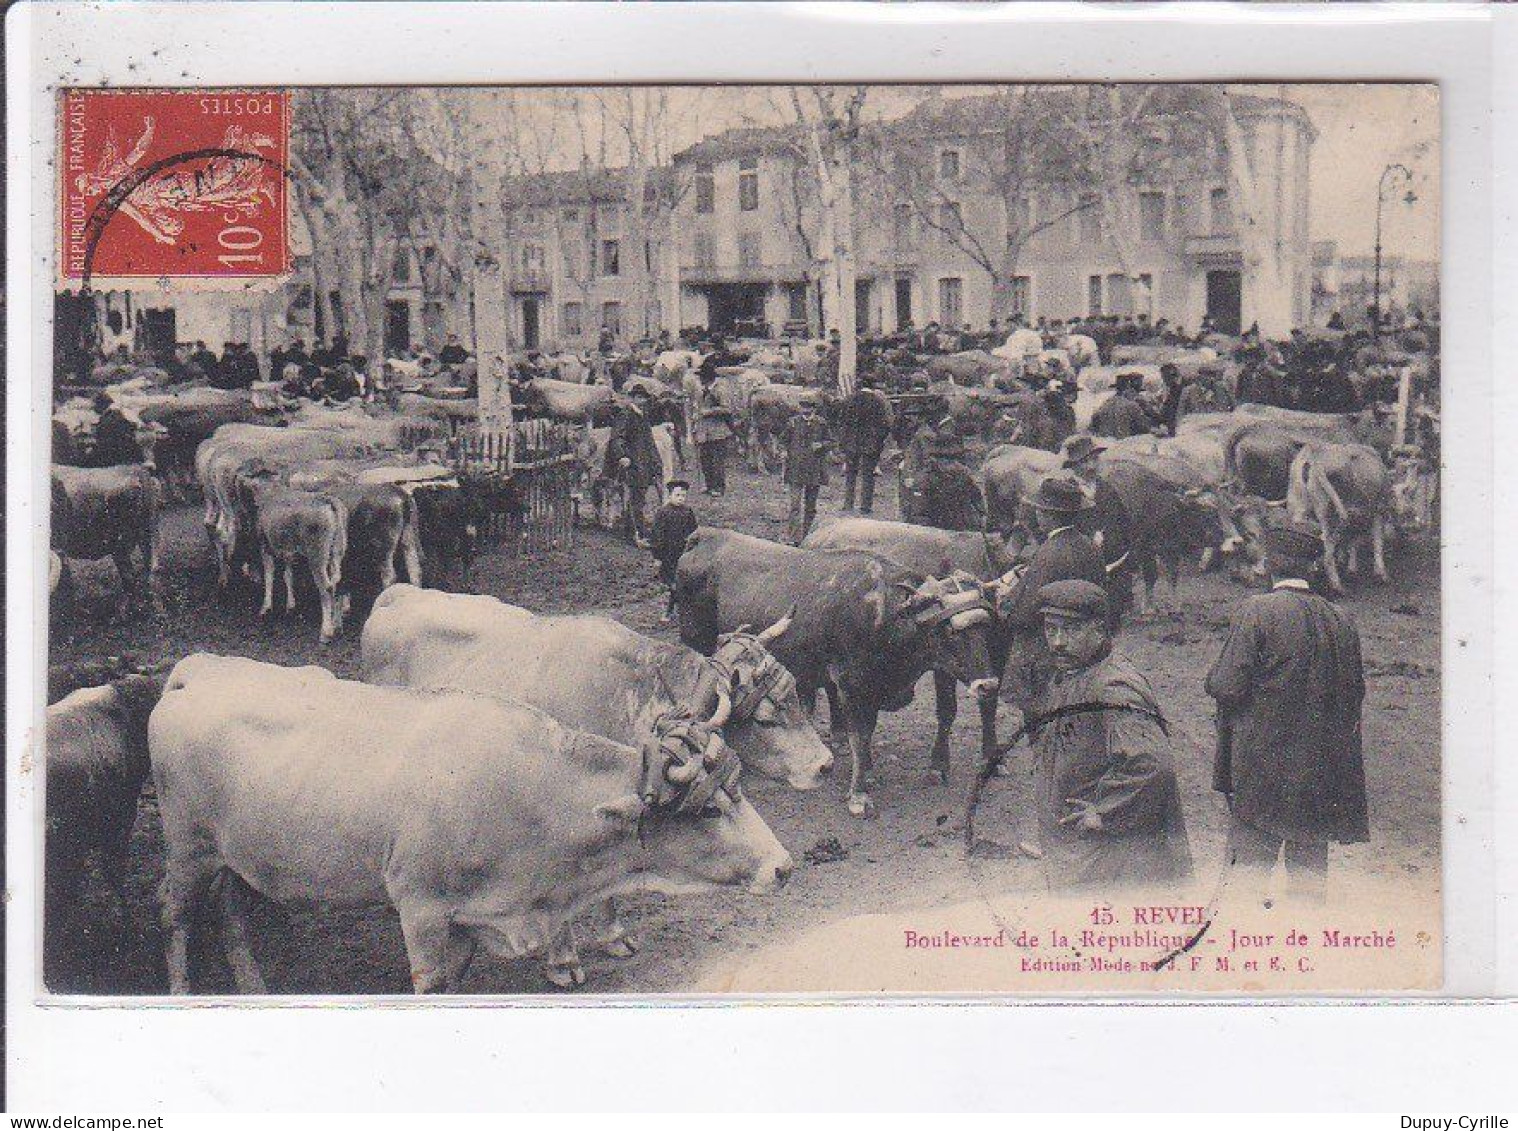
(745, 540)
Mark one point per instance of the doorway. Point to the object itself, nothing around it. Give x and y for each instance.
(397, 327)
(731, 303)
(531, 327)
(1225, 301)
(157, 333)
(862, 291)
(903, 303)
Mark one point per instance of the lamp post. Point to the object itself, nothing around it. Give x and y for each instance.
(1395, 172)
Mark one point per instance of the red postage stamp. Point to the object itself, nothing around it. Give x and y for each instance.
(173, 183)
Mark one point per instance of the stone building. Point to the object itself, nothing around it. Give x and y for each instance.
(936, 212)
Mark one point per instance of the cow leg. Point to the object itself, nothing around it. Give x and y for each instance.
(186, 880)
(861, 724)
(609, 933)
(1150, 571)
(426, 930)
(561, 965)
(411, 558)
(126, 577)
(1171, 567)
(1378, 547)
(946, 700)
(387, 569)
(1352, 557)
(269, 564)
(234, 935)
(328, 592)
(1209, 553)
(1331, 564)
(289, 587)
(462, 947)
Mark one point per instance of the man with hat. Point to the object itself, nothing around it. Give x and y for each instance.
(951, 499)
(674, 522)
(1059, 406)
(632, 459)
(864, 424)
(1104, 786)
(1065, 553)
(1208, 393)
(806, 464)
(1121, 415)
(1289, 687)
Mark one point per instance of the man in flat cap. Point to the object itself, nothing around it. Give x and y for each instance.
(1289, 687)
(1121, 415)
(1109, 809)
(1064, 554)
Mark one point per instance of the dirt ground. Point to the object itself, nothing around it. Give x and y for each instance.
(909, 857)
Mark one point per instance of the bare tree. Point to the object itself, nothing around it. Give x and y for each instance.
(830, 120)
(1011, 152)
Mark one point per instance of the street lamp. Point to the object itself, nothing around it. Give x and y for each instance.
(1394, 172)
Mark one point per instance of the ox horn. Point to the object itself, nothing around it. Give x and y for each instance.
(779, 628)
(1113, 567)
(724, 707)
(682, 773)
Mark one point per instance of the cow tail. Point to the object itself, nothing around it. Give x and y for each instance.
(1317, 477)
(1230, 455)
(339, 544)
(411, 537)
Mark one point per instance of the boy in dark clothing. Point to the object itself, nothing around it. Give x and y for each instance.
(674, 522)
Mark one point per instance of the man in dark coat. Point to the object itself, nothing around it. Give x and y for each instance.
(1289, 687)
(951, 499)
(115, 435)
(864, 422)
(1059, 397)
(674, 522)
(632, 459)
(1208, 393)
(1104, 785)
(1262, 383)
(1121, 416)
(806, 465)
(1064, 554)
(712, 430)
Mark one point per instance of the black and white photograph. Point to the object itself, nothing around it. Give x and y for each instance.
(786, 539)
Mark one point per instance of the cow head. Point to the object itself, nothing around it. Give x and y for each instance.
(1203, 521)
(767, 727)
(693, 822)
(954, 618)
(1250, 516)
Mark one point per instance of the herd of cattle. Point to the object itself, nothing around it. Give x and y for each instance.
(501, 777)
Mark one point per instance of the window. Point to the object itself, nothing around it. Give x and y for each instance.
(948, 165)
(1143, 295)
(1094, 296)
(902, 224)
(1119, 295)
(748, 184)
(401, 268)
(571, 215)
(748, 249)
(611, 317)
(795, 295)
(950, 218)
(1152, 216)
(1221, 213)
(532, 257)
(706, 190)
(950, 302)
(611, 257)
(574, 325)
(705, 256)
(1090, 218)
(1022, 292)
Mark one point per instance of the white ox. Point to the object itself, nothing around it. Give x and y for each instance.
(484, 823)
(1345, 489)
